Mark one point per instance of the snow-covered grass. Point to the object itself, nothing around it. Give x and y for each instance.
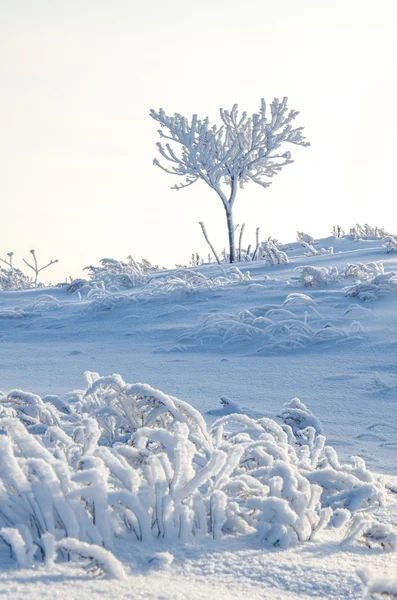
(295, 323)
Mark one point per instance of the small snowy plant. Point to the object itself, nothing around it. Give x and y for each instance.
(317, 276)
(271, 254)
(304, 238)
(372, 289)
(337, 231)
(119, 459)
(226, 157)
(390, 243)
(366, 232)
(12, 278)
(115, 275)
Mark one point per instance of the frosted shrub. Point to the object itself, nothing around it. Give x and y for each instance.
(311, 250)
(363, 271)
(14, 279)
(304, 238)
(390, 243)
(271, 254)
(115, 275)
(366, 232)
(338, 231)
(127, 458)
(294, 324)
(372, 289)
(311, 276)
(317, 276)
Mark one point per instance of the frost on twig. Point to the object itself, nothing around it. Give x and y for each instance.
(35, 266)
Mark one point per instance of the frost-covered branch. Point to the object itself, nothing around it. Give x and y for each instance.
(35, 267)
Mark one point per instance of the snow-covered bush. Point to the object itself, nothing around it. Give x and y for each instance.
(390, 243)
(372, 289)
(127, 458)
(362, 270)
(366, 232)
(14, 279)
(311, 250)
(316, 276)
(337, 231)
(311, 276)
(272, 254)
(272, 251)
(304, 238)
(294, 324)
(115, 275)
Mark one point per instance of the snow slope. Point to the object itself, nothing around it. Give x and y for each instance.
(203, 340)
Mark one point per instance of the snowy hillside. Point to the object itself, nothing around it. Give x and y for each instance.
(180, 498)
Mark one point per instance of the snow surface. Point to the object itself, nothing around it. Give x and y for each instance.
(345, 373)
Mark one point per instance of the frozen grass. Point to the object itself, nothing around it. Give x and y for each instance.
(295, 323)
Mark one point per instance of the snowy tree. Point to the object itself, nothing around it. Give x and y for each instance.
(242, 149)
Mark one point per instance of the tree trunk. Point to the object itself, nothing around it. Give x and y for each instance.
(230, 227)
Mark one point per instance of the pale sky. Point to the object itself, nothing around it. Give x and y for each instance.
(78, 78)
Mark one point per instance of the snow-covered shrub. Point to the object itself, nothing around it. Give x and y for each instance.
(304, 238)
(271, 254)
(129, 458)
(311, 276)
(14, 279)
(372, 289)
(337, 231)
(366, 232)
(272, 251)
(299, 417)
(390, 243)
(316, 276)
(311, 250)
(115, 275)
(294, 324)
(362, 270)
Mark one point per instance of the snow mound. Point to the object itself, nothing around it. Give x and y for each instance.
(118, 459)
(378, 587)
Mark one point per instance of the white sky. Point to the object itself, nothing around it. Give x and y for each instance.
(78, 78)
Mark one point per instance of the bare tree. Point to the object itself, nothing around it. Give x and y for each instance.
(244, 148)
(35, 266)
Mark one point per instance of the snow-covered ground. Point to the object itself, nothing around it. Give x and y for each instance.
(255, 338)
